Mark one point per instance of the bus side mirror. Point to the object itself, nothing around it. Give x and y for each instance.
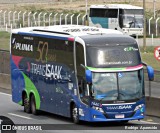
(150, 71)
(88, 76)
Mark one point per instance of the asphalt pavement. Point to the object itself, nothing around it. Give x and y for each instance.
(61, 124)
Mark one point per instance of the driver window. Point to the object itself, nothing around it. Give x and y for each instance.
(80, 69)
(120, 19)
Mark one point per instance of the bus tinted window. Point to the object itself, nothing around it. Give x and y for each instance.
(133, 11)
(22, 46)
(61, 51)
(80, 60)
(55, 50)
(43, 49)
(108, 13)
(120, 56)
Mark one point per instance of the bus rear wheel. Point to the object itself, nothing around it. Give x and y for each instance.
(33, 105)
(126, 121)
(75, 115)
(26, 103)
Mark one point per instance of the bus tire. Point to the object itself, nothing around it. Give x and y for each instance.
(26, 103)
(125, 122)
(33, 105)
(75, 115)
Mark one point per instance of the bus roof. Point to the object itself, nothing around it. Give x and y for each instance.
(66, 30)
(116, 6)
(108, 40)
(85, 35)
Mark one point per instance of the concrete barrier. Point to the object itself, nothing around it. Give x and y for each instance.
(152, 104)
(5, 81)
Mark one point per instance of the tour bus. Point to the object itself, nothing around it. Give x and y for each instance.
(125, 18)
(86, 73)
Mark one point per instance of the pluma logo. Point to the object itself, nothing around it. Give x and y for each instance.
(22, 46)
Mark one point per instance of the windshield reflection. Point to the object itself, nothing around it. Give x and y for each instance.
(118, 86)
(132, 21)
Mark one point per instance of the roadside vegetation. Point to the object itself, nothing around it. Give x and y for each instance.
(148, 57)
(66, 6)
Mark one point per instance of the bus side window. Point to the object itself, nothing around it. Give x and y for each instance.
(80, 60)
(111, 13)
(80, 69)
(28, 49)
(120, 19)
(61, 51)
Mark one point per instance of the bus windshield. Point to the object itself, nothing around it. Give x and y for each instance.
(132, 18)
(113, 56)
(118, 86)
(132, 21)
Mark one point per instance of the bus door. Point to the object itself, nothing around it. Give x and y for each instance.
(51, 105)
(66, 76)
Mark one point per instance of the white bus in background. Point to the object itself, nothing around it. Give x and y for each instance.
(125, 18)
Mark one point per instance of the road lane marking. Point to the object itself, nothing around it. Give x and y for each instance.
(147, 122)
(20, 116)
(5, 94)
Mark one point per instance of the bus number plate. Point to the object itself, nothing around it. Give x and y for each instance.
(118, 116)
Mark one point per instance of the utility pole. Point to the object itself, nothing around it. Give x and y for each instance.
(86, 20)
(154, 8)
(144, 27)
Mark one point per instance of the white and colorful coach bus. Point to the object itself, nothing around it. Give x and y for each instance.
(86, 73)
(125, 18)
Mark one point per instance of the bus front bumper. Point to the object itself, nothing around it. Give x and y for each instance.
(96, 116)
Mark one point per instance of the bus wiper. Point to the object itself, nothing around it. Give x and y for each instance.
(105, 97)
(138, 98)
(111, 96)
(130, 95)
(101, 99)
(121, 93)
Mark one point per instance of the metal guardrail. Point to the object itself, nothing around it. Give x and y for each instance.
(16, 19)
(156, 75)
(31, 19)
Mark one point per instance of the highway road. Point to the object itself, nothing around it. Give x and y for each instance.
(16, 114)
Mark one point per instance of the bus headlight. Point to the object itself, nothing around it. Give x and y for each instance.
(139, 107)
(98, 109)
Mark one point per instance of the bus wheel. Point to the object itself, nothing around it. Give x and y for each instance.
(75, 116)
(125, 122)
(27, 106)
(33, 105)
